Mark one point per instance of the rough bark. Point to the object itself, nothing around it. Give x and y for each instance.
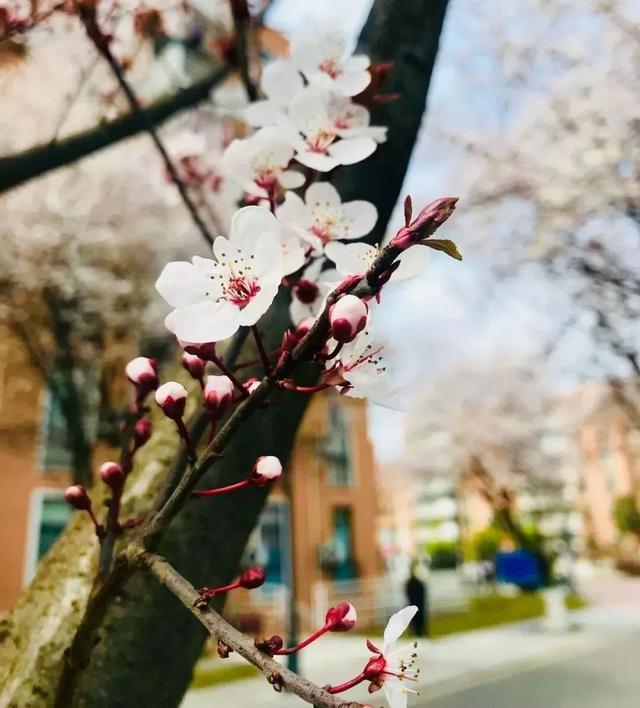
(147, 643)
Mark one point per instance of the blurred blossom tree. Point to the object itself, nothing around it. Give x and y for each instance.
(497, 427)
(84, 638)
(560, 163)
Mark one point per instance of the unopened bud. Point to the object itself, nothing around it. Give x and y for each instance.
(251, 384)
(269, 645)
(306, 291)
(252, 578)
(194, 365)
(77, 497)
(172, 398)
(143, 373)
(266, 469)
(142, 432)
(348, 317)
(204, 351)
(303, 327)
(426, 223)
(218, 394)
(112, 475)
(341, 618)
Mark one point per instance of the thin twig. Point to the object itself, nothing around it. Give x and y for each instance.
(88, 18)
(279, 676)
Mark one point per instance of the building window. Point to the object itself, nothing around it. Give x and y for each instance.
(47, 520)
(55, 448)
(336, 448)
(269, 543)
(343, 544)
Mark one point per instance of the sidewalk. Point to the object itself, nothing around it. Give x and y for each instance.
(451, 662)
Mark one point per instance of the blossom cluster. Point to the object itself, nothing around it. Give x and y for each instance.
(294, 230)
(290, 236)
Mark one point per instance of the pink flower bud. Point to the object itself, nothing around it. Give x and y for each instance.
(303, 327)
(77, 497)
(341, 618)
(306, 291)
(266, 469)
(251, 384)
(270, 645)
(112, 475)
(142, 432)
(252, 578)
(348, 317)
(172, 398)
(194, 365)
(204, 351)
(218, 394)
(143, 373)
(426, 223)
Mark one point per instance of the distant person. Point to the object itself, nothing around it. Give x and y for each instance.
(417, 594)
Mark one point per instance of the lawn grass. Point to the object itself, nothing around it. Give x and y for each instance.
(205, 676)
(493, 610)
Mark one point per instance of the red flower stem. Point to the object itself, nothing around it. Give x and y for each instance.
(212, 430)
(346, 685)
(261, 350)
(222, 490)
(306, 389)
(227, 372)
(188, 442)
(96, 523)
(304, 642)
(335, 352)
(210, 592)
(253, 362)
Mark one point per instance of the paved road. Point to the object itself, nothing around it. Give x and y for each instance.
(608, 677)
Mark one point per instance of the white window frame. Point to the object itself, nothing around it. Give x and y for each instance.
(36, 505)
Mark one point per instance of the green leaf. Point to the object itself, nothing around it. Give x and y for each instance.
(445, 245)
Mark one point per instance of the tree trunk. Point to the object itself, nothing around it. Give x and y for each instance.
(146, 644)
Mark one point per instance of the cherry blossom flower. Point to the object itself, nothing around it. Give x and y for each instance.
(325, 62)
(356, 259)
(391, 668)
(213, 298)
(352, 120)
(322, 217)
(259, 163)
(362, 370)
(317, 139)
(309, 292)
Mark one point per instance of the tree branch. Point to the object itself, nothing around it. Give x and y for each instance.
(21, 167)
(278, 675)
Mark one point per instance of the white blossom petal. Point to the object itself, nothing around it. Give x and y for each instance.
(352, 258)
(181, 284)
(352, 150)
(291, 179)
(281, 81)
(396, 626)
(358, 219)
(322, 193)
(204, 321)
